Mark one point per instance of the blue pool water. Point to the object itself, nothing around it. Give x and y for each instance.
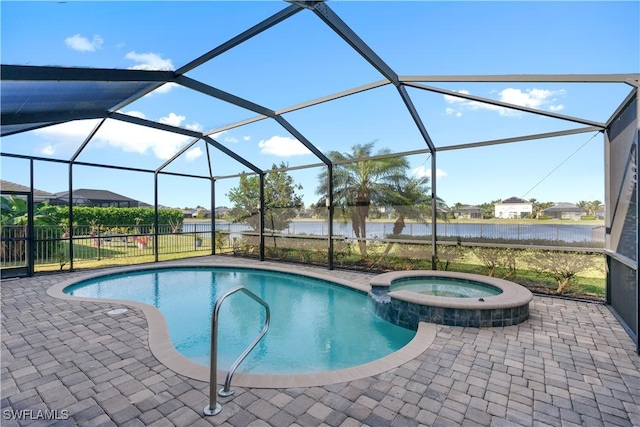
(315, 325)
(445, 287)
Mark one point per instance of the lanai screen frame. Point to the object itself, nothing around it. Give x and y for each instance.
(152, 80)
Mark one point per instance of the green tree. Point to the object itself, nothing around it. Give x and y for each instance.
(594, 206)
(280, 199)
(538, 207)
(584, 205)
(359, 183)
(488, 209)
(410, 197)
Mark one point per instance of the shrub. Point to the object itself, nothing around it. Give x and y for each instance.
(562, 266)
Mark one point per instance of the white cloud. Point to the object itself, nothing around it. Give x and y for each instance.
(282, 146)
(231, 139)
(149, 61)
(531, 98)
(152, 61)
(195, 126)
(421, 172)
(125, 136)
(172, 119)
(452, 112)
(47, 150)
(217, 134)
(165, 88)
(193, 154)
(246, 138)
(83, 44)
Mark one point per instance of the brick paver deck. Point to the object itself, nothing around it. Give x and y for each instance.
(570, 364)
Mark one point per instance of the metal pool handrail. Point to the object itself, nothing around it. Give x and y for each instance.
(214, 408)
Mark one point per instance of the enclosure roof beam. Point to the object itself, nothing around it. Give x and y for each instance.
(337, 95)
(304, 141)
(222, 95)
(522, 138)
(231, 154)
(178, 154)
(506, 105)
(301, 106)
(40, 126)
(155, 125)
(79, 74)
(87, 140)
(524, 78)
(624, 104)
(50, 117)
(235, 125)
(240, 38)
(416, 117)
(330, 18)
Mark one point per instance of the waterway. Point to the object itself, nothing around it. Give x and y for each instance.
(378, 230)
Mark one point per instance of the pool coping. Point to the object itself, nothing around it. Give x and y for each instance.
(513, 295)
(162, 348)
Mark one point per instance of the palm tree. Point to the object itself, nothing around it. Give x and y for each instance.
(410, 196)
(359, 183)
(584, 205)
(594, 206)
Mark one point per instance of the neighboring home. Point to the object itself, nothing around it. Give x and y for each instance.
(188, 213)
(201, 213)
(38, 195)
(103, 198)
(513, 207)
(467, 212)
(222, 211)
(306, 213)
(385, 211)
(564, 210)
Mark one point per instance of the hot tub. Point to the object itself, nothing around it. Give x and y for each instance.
(456, 299)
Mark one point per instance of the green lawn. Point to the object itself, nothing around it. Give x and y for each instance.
(87, 254)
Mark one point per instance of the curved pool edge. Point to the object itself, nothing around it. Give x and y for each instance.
(161, 347)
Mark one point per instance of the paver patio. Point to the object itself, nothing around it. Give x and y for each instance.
(570, 364)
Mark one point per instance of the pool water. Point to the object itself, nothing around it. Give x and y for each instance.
(445, 287)
(315, 325)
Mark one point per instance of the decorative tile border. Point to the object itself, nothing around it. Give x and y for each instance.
(407, 309)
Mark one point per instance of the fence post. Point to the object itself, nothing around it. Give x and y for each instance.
(99, 242)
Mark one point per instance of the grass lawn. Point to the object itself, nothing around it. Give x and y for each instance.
(88, 255)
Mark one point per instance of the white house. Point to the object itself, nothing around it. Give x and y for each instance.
(513, 207)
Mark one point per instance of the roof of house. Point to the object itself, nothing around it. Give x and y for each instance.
(513, 200)
(467, 208)
(12, 186)
(564, 207)
(90, 194)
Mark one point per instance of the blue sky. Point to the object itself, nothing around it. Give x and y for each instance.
(302, 59)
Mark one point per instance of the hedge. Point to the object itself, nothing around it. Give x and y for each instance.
(112, 216)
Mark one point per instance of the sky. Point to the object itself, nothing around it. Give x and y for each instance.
(301, 59)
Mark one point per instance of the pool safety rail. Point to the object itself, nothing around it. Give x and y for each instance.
(214, 408)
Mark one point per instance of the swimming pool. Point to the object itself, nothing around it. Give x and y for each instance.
(316, 325)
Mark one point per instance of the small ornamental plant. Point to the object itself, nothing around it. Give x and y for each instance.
(142, 241)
